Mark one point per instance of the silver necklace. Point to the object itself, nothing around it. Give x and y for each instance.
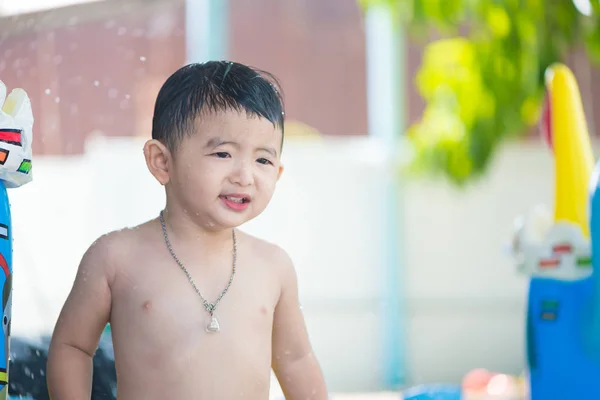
(210, 307)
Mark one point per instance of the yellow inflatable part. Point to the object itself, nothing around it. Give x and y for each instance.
(573, 156)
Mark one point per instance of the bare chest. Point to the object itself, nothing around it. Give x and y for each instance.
(157, 314)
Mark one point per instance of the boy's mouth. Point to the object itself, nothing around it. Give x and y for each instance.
(235, 202)
(236, 198)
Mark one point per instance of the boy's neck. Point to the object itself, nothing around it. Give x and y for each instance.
(186, 230)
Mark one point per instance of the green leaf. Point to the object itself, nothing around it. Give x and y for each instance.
(486, 86)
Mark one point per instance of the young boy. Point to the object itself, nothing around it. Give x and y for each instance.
(198, 309)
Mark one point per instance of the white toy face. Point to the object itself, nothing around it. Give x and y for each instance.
(16, 125)
(547, 249)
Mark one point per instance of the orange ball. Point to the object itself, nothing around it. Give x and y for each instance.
(476, 380)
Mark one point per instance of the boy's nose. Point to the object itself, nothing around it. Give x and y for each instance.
(242, 175)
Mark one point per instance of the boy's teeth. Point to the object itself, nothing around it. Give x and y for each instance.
(236, 199)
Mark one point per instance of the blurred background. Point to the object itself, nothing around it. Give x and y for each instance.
(412, 144)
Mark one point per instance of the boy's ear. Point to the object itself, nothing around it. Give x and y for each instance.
(158, 160)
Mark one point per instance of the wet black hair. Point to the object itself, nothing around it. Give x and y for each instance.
(214, 86)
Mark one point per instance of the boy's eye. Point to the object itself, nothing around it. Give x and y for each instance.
(222, 154)
(264, 161)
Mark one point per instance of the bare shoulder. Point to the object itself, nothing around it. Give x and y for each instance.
(271, 255)
(108, 251)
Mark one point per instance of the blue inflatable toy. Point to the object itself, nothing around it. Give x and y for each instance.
(433, 392)
(560, 251)
(16, 123)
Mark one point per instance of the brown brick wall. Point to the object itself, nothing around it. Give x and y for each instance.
(86, 72)
(98, 67)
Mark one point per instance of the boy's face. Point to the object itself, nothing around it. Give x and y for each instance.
(225, 173)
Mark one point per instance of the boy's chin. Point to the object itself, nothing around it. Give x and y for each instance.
(232, 221)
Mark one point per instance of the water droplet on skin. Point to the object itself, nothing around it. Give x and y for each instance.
(127, 96)
(142, 58)
(57, 99)
(47, 91)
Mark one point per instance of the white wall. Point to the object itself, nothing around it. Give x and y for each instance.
(465, 299)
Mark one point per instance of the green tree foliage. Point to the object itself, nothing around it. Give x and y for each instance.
(483, 80)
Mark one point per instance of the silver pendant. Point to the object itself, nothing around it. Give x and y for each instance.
(213, 326)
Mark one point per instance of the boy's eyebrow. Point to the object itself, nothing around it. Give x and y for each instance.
(269, 150)
(217, 141)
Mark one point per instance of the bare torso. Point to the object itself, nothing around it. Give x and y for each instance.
(162, 350)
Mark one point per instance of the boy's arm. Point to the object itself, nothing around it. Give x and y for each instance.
(294, 362)
(80, 325)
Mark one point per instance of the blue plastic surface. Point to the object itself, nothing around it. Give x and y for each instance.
(5, 285)
(433, 392)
